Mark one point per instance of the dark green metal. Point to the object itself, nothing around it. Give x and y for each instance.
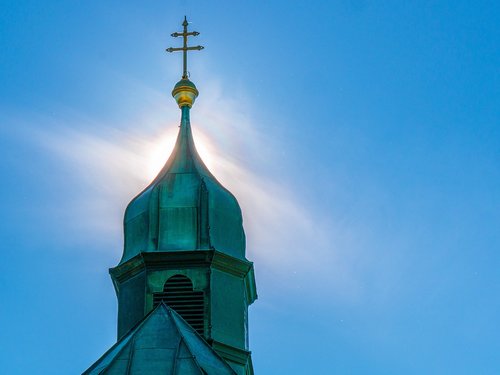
(186, 223)
(227, 283)
(163, 343)
(184, 208)
(185, 34)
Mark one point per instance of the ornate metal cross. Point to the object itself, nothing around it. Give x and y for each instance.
(185, 47)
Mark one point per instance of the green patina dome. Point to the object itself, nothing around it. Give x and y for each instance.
(184, 208)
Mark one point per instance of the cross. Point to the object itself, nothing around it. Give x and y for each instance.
(185, 47)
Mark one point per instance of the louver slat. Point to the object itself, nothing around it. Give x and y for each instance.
(178, 293)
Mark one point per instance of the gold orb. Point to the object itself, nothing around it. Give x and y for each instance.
(185, 93)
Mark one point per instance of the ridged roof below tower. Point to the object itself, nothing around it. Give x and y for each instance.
(184, 208)
(162, 343)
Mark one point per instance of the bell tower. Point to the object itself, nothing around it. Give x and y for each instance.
(185, 246)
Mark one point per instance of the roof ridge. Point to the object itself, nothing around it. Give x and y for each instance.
(124, 341)
(175, 316)
(183, 339)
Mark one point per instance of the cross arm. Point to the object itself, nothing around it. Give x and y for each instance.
(196, 48)
(193, 33)
(170, 49)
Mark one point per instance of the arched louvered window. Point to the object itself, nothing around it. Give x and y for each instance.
(178, 293)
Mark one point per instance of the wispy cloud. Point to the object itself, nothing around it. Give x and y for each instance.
(111, 164)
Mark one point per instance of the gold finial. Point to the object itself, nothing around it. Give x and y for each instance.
(185, 91)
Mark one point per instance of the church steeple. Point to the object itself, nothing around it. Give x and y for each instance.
(185, 246)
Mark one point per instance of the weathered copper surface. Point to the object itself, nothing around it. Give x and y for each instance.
(163, 343)
(184, 208)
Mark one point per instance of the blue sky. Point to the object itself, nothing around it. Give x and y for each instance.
(361, 138)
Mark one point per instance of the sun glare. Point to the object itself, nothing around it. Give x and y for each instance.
(160, 150)
(205, 149)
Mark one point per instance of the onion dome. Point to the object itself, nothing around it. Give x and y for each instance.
(185, 208)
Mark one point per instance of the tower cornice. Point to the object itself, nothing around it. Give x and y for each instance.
(164, 260)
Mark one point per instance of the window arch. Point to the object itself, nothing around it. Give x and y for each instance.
(178, 294)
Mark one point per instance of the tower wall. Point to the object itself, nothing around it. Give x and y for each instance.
(229, 309)
(227, 283)
(131, 294)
